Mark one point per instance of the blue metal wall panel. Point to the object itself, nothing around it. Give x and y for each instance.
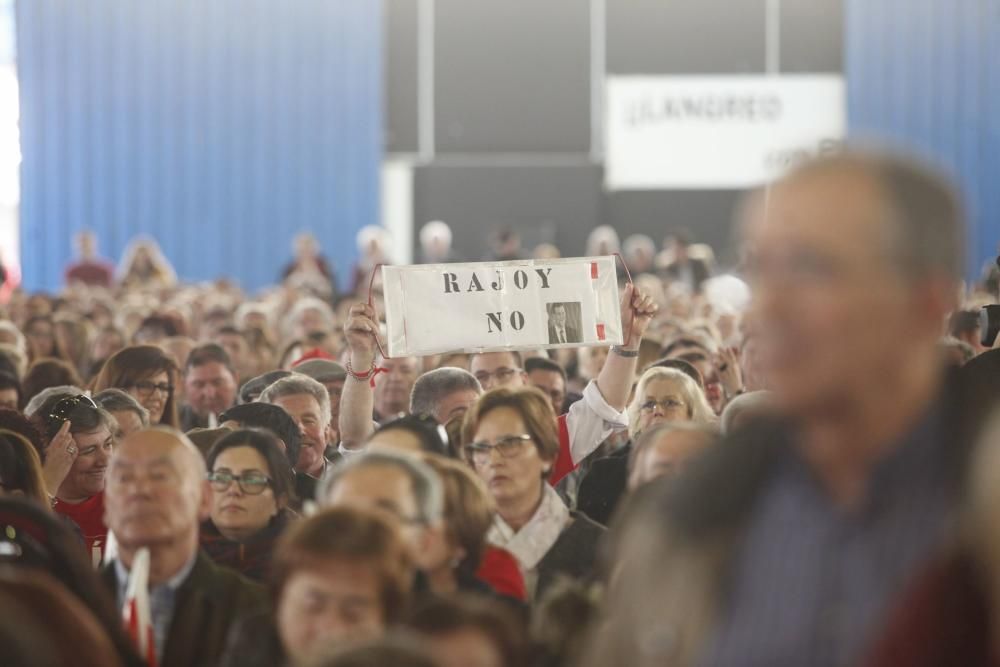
(220, 128)
(926, 74)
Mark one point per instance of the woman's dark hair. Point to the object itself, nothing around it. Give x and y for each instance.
(57, 351)
(394, 649)
(20, 467)
(347, 534)
(267, 445)
(12, 420)
(46, 542)
(10, 381)
(271, 418)
(46, 373)
(162, 325)
(135, 364)
(440, 616)
(83, 416)
(432, 436)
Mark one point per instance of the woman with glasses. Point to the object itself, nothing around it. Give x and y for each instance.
(667, 395)
(251, 484)
(662, 396)
(79, 440)
(512, 442)
(148, 374)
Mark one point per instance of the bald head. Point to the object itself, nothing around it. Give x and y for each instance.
(156, 491)
(160, 442)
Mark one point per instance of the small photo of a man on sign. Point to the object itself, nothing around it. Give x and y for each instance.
(564, 322)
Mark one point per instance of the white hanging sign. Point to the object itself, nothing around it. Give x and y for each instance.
(708, 132)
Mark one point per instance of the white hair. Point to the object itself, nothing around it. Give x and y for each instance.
(637, 242)
(602, 235)
(699, 409)
(435, 229)
(370, 233)
(295, 385)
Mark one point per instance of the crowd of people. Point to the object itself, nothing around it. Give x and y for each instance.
(804, 477)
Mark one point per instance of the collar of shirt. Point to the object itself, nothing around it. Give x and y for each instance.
(530, 544)
(344, 451)
(173, 583)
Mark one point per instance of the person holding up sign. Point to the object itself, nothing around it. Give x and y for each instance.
(588, 422)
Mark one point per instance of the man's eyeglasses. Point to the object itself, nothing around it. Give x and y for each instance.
(61, 411)
(508, 447)
(251, 483)
(502, 375)
(666, 405)
(145, 389)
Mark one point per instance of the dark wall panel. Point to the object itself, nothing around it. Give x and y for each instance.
(812, 36)
(707, 214)
(545, 204)
(695, 37)
(400, 69)
(512, 76)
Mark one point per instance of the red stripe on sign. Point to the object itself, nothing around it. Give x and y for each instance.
(593, 270)
(600, 332)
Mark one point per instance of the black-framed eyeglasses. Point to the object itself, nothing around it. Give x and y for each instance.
(63, 408)
(251, 483)
(145, 389)
(507, 446)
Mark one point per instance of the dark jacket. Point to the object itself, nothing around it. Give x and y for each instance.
(207, 604)
(189, 420)
(604, 485)
(573, 555)
(254, 642)
(251, 558)
(703, 515)
(944, 619)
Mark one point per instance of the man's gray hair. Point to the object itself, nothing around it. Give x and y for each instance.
(928, 235)
(116, 400)
(433, 386)
(294, 385)
(427, 490)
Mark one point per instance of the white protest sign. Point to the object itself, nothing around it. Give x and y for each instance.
(484, 306)
(717, 131)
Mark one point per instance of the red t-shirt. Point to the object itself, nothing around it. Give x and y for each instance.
(500, 570)
(89, 516)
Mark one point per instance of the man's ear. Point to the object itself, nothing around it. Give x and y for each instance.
(205, 502)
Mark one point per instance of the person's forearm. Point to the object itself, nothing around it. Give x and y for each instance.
(357, 402)
(617, 375)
